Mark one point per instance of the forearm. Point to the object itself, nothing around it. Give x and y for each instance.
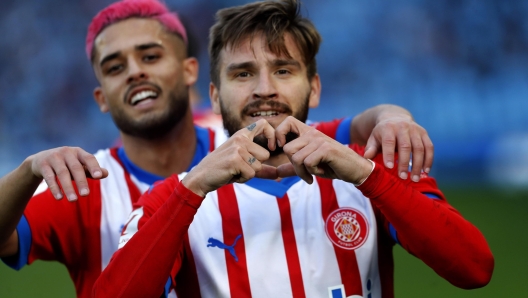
(142, 266)
(432, 231)
(16, 189)
(363, 124)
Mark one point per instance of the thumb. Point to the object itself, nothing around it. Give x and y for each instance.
(371, 148)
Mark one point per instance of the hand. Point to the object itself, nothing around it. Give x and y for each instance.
(401, 131)
(64, 164)
(237, 160)
(314, 153)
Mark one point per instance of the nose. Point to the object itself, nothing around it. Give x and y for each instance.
(265, 88)
(135, 72)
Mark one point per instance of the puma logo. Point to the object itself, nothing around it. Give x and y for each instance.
(231, 248)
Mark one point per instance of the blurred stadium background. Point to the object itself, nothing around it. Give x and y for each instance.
(460, 66)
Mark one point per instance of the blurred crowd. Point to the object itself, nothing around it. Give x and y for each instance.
(460, 66)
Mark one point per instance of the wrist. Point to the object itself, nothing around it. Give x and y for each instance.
(367, 174)
(26, 170)
(193, 185)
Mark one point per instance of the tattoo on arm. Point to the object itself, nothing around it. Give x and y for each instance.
(251, 126)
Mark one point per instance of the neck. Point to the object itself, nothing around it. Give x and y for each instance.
(170, 154)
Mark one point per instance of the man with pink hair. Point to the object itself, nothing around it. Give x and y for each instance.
(138, 52)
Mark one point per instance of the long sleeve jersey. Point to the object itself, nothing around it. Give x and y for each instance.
(288, 238)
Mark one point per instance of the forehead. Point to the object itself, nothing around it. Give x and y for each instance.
(129, 33)
(257, 50)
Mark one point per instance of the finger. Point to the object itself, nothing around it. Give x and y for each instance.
(429, 153)
(307, 161)
(286, 170)
(404, 153)
(254, 163)
(91, 165)
(267, 172)
(290, 124)
(64, 177)
(245, 171)
(77, 172)
(49, 177)
(257, 151)
(371, 149)
(417, 157)
(388, 147)
(260, 127)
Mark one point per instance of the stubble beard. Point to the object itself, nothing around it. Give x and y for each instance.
(157, 126)
(233, 124)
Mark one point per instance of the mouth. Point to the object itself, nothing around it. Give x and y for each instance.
(270, 113)
(268, 109)
(142, 94)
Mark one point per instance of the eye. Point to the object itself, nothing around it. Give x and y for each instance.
(244, 74)
(114, 68)
(283, 71)
(150, 58)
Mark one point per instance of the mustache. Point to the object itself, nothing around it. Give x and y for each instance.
(131, 87)
(280, 107)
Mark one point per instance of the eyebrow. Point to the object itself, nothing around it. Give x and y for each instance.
(140, 47)
(243, 65)
(285, 62)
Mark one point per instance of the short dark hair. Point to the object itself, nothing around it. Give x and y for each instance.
(271, 18)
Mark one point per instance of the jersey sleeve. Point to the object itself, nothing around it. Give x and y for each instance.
(338, 129)
(150, 247)
(418, 216)
(49, 230)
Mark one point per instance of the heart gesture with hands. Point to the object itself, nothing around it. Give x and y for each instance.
(237, 160)
(314, 153)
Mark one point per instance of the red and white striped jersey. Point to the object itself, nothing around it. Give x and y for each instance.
(83, 235)
(289, 239)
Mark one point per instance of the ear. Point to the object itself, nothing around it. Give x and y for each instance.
(190, 70)
(215, 98)
(315, 93)
(100, 99)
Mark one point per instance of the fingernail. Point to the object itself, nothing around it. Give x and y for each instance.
(97, 174)
(416, 178)
(390, 165)
(84, 191)
(58, 196)
(427, 170)
(72, 197)
(403, 175)
(279, 143)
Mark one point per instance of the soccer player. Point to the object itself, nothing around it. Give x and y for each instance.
(138, 52)
(326, 232)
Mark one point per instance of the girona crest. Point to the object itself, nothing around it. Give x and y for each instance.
(347, 228)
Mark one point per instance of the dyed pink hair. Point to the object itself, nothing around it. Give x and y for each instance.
(125, 9)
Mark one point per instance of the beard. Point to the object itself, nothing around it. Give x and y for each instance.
(233, 124)
(152, 127)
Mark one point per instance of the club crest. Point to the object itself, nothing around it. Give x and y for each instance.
(347, 228)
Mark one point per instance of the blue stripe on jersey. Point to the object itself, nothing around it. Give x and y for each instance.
(272, 187)
(392, 230)
(202, 148)
(24, 244)
(167, 288)
(393, 233)
(432, 196)
(343, 131)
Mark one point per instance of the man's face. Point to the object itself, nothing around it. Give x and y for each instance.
(144, 77)
(255, 83)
